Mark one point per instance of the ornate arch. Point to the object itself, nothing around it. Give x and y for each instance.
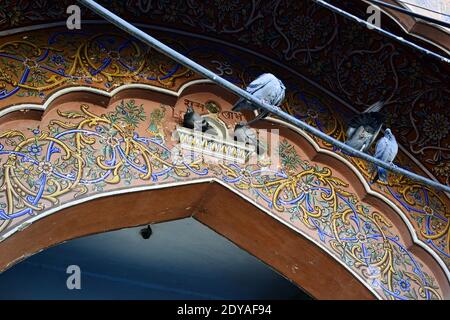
(36, 66)
(88, 144)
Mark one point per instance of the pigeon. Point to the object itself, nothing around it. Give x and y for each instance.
(386, 150)
(364, 128)
(269, 89)
(192, 120)
(146, 232)
(245, 134)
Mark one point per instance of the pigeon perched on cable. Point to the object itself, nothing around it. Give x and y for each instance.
(245, 134)
(364, 128)
(386, 150)
(192, 120)
(269, 89)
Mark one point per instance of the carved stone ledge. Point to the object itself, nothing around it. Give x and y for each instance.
(214, 146)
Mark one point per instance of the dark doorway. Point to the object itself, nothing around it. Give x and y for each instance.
(182, 259)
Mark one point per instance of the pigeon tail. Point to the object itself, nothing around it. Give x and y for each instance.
(242, 104)
(381, 175)
(376, 107)
(370, 121)
(260, 116)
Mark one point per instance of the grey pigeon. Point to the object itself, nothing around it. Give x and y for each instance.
(244, 133)
(192, 120)
(364, 128)
(386, 150)
(269, 89)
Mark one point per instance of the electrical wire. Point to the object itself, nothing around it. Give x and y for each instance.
(411, 13)
(423, 8)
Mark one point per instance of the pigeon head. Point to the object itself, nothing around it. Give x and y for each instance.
(388, 133)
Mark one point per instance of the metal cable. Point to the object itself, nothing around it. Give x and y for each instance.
(411, 13)
(185, 61)
(423, 8)
(382, 31)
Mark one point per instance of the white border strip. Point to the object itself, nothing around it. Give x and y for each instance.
(59, 93)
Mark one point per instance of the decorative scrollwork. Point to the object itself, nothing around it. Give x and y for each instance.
(35, 64)
(83, 153)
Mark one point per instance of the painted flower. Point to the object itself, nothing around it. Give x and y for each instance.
(99, 129)
(30, 63)
(302, 29)
(25, 170)
(45, 167)
(317, 68)
(373, 72)
(34, 150)
(312, 113)
(171, 13)
(15, 15)
(111, 141)
(428, 210)
(373, 270)
(369, 227)
(37, 75)
(129, 113)
(378, 249)
(361, 237)
(304, 187)
(259, 33)
(57, 59)
(436, 126)
(404, 284)
(443, 169)
(226, 6)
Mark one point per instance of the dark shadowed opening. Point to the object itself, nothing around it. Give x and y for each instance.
(182, 259)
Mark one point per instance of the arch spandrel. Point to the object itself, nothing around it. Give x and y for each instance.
(81, 151)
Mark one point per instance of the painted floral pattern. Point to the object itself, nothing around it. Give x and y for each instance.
(80, 153)
(355, 64)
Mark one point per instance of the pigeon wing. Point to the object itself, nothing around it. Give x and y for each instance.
(370, 121)
(354, 141)
(242, 104)
(393, 149)
(381, 147)
(376, 107)
(281, 94)
(260, 82)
